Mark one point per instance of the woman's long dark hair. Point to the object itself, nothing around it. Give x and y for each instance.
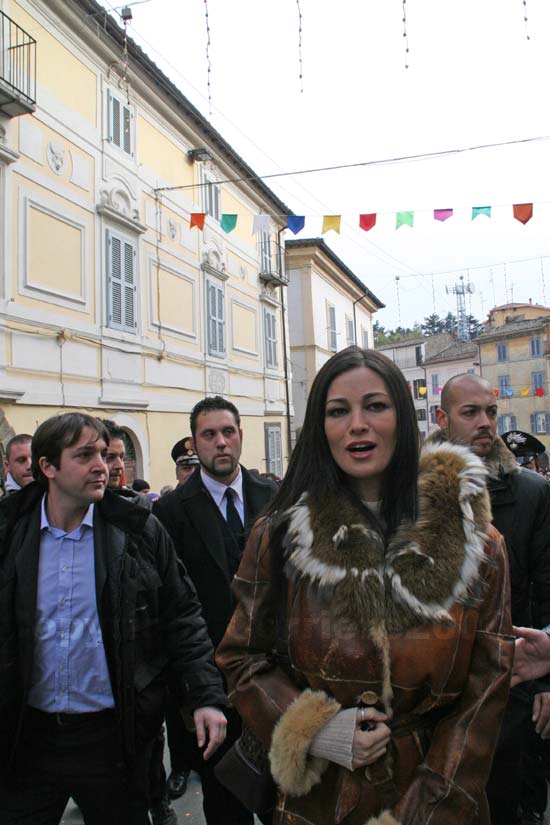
(312, 467)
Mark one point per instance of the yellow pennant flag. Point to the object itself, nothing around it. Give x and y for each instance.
(524, 392)
(331, 222)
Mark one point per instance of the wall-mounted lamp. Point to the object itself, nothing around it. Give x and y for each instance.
(202, 154)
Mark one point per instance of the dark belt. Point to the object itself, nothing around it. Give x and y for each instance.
(45, 719)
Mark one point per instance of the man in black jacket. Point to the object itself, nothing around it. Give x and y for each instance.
(96, 613)
(209, 518)
(520, 501)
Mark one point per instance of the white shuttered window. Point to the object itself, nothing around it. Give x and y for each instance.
(273, 449)
(270, 334)
(120, 123)
(215, 307)
(121, 283)
(331, 328)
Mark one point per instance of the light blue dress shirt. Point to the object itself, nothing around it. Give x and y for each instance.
(70, 673)
(218, 490)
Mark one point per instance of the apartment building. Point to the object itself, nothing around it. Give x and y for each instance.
(513, 355)
(109, 301)
(330, 308)
(410, 356)
(456, 358)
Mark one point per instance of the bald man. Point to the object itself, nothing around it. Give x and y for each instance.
(521, 511)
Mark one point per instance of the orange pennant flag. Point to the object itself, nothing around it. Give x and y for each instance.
(523, 212)
(331, 222)
(197, 219)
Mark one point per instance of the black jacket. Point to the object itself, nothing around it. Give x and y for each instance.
(199, 533)
(148, 610)
(520, 500)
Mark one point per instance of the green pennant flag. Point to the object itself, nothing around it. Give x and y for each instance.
(481, 210)
(404, 219)
(228, 223)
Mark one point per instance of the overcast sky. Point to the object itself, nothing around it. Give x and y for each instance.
(473, 79)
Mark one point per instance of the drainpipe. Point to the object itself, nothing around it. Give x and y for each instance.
(285, 359)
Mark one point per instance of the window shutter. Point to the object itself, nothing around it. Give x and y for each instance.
(221, 322)
(216, 319)
(533, 423)
(547, 417)
(129, 288)
(115, 114)
(513, 424)
(127, 130)
(274, 339)
(212, 322)
(114, 258)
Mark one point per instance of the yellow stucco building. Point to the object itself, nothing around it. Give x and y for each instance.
(109, 301)
(513, 357)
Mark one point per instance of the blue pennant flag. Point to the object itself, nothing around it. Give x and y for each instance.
(296, 223)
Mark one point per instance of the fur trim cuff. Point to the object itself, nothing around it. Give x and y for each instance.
(293, 768)
(385, 818)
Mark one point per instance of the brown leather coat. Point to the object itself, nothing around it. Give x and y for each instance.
(420, 625)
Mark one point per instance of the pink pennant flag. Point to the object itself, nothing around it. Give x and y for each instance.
(442, 214)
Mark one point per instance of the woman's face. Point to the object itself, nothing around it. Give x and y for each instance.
(360, 426)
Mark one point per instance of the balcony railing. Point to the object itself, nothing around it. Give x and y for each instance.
(272, 262)
(17, 69)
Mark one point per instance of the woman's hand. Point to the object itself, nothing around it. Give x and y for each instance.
(370, 745)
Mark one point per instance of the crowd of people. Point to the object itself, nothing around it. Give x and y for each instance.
(334, 647)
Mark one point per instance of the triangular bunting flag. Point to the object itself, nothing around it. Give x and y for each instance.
(404, 219)
(331, 222)
(366, 222)
(197, 219)
(296, 223)
(523, 212)
(261, 223)
(481, 210)
(524, 392)
(442, 214)
(228, 223)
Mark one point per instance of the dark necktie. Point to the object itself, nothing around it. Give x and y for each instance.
(232, 516)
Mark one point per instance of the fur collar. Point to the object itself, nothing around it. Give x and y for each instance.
(500, 461)
(427, 566)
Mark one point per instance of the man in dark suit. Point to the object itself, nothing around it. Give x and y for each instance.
(209, 518)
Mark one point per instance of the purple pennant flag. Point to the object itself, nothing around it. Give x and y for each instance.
(296, 223)
(442, 214)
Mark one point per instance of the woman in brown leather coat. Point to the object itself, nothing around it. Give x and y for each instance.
(370, 650)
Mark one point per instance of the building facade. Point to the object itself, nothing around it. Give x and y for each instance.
(329, 309)
(109, 301)
(513, 352)
(457, 358)
(410, 355)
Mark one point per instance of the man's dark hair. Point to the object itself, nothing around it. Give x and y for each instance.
(22, 438)
(56, 434)
(139, 484)
(209, 404)
(113, 428)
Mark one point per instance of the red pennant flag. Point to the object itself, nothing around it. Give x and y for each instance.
(197, 219)
(366, 222)
(523, 212)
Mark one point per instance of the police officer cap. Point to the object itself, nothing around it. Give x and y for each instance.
(184, 451)
(523, 445)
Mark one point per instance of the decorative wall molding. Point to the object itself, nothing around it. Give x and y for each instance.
(118, 206)
(57, 157)
(151, 296)
(37, 290)
(216, 381)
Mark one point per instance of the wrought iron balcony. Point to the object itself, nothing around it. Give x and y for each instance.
(272, 262)
(17, 69)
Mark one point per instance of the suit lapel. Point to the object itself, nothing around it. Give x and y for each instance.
(206, 520)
